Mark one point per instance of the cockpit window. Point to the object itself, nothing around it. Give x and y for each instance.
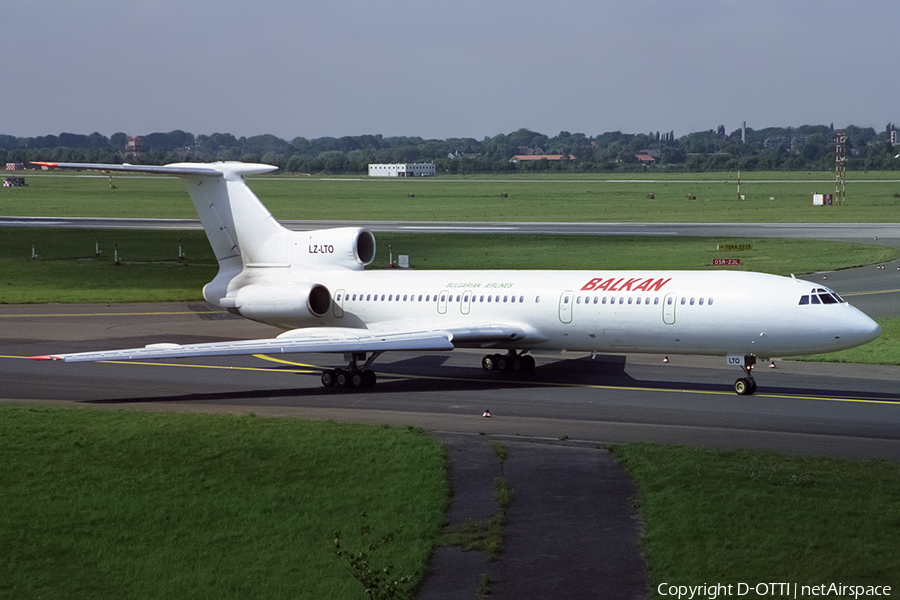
(821, 296)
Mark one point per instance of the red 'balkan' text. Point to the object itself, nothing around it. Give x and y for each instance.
(634, 284)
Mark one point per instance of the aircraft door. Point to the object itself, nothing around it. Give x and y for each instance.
(669, 309)
(337, 302)
(442, 302)
(466, 304)
(565, 306)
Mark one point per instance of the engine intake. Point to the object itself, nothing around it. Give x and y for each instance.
(343, 247)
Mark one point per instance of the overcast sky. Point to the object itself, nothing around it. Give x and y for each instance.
(455, 68)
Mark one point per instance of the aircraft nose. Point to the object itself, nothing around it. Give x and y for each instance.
(859, 329)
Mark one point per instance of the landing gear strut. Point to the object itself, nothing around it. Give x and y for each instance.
(746, 386)
(353, 376)
(512, 362)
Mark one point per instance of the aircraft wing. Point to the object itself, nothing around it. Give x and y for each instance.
(319, 339)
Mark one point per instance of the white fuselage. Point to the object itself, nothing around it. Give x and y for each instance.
(701, 312)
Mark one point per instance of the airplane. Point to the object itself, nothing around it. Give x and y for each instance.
(314, 285)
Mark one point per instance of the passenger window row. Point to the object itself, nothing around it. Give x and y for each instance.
(616, 300)
(348, 297)
(638, 300)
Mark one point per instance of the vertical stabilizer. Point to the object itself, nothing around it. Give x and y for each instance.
(236, 222)
(240, 229)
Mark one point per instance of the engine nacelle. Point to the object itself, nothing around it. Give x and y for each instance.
(325, 249)
(282, 304)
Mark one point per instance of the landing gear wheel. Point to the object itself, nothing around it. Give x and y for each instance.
(522, 363)
(356, 379)
(503, 363)
(343, 378)
(489, 362)
(329, 378)
(527, 363)
(744, 386)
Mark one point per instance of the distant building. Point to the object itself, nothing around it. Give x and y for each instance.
(532, 157)
(403, 170)
(645, 159)
(15, 166)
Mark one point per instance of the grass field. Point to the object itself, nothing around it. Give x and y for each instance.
(118, 504)
(740, 516)
(770, 198)
(102, 504)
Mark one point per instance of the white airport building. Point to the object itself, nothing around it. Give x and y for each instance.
(403, 170)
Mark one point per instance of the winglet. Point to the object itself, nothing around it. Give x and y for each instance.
(47, 357)
(45, 164)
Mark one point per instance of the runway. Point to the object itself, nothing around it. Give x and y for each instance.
(882, 233)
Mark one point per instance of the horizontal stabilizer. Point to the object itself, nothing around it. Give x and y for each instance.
(178, 169)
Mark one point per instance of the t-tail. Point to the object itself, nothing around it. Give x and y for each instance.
(260, 262)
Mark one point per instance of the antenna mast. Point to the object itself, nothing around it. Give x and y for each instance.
(840, 166)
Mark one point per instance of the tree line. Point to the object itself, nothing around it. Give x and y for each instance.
(810, 147)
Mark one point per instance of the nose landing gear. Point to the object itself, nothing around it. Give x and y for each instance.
(746, 386)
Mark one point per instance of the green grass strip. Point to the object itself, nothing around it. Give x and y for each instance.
(673, 198)
(103, 504)
(717, 516)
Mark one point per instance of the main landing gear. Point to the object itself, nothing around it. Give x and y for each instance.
(353, 376)
(511, 362)
(746, 386)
